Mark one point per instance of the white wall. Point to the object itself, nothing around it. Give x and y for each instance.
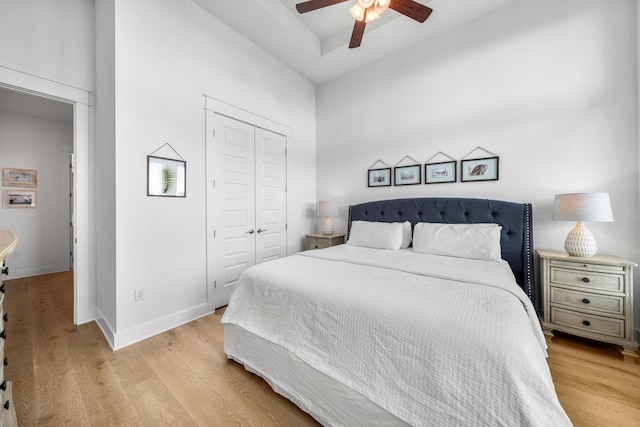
(49, 39)
(44, 145)
(550, 86)
(164, 64)
(105, 238)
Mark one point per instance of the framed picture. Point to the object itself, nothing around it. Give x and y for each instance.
(437, 173)
(380, 177)
(479, 169)
(19, 177)
(166, 177)
(19, 198)
(407, 175)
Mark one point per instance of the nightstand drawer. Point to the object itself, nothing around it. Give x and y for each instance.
(314, 243)
(586, 322)
(587, 266)
(587, 279)
(588, 301)
(7, 411)
(321, 241)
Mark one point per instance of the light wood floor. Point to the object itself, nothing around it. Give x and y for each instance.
(67, 375)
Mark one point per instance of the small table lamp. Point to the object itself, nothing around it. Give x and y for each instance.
(327, 209)
(582, 207)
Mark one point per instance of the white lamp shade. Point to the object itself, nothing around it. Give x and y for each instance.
(594, 207)
(328, 208)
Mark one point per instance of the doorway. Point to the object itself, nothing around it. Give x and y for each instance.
(36, 136)
(84, 297)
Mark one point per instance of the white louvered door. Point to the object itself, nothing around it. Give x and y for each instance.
(246, 201)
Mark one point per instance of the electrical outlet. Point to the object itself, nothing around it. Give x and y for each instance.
(139, 294)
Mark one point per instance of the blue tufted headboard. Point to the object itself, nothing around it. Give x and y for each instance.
(515, 218)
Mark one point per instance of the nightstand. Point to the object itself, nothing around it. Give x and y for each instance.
(589, 297)
(319, 241)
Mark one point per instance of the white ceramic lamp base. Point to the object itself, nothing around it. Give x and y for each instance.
(580, 242)
(327, 228)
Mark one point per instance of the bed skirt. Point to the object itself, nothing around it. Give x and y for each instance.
(333, 403)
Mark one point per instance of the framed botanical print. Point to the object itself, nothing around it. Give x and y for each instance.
(166, 177)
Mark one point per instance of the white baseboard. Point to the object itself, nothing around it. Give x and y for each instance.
(105, 327)
(19, 273)
(121, 339)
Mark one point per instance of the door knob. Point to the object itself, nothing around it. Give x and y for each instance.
(251, 231)
(260, 230)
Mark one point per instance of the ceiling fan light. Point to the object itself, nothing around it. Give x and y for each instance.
(364, 4)
(357, 12)
(381, 6)
(372, 15)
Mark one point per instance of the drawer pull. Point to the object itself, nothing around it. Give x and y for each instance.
(3, 334)
(3, 386)
(2, 288)
(6, 405)
(586, 301)
(586, 323)
(585, 279)
(6, 361)
(5, 270)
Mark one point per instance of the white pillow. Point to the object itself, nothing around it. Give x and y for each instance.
(379, 235)
(406, 235)
(475, 241)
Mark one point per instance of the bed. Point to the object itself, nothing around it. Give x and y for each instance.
(381, 332)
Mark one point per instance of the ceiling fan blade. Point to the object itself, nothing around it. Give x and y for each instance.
(310, 5)
(358, 32)
(412, 9)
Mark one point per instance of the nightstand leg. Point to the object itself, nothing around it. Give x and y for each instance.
(548, 335)
(629, 353)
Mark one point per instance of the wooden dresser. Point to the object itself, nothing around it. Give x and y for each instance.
(589, 297)
(8, 416)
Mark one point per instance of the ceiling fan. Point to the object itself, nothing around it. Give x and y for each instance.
(364, 11)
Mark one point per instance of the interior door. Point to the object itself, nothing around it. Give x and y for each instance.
(231, 232)
(271, 196)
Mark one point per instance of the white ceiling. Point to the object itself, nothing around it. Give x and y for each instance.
(315, 44)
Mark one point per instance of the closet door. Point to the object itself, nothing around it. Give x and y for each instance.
(271, 196)
(230, 204)
(246, 201)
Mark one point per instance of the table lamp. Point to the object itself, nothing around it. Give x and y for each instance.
(582, 207)
(327, 209)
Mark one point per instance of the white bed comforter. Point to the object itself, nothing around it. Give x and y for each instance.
(433, 340)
